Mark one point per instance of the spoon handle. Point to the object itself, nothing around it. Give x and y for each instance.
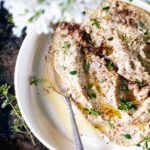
(77, 138)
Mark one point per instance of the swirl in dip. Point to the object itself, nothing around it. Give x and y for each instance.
(105, 65)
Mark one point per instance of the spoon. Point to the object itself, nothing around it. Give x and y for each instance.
(59, 87)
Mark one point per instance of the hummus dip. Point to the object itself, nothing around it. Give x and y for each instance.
(105, 64)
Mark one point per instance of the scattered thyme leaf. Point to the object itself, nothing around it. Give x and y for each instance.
(86, 109)
(141, 24)
(146, 35)
(33, 80)
(94, 22)
(91, 111)
(109, 64)
(124, 105)
(109, 122)
(93, 95)
(73, 72)
(110, 39)
(87, 65)
(127, 136)
(140, 84)
(90, 87)
(66, 45)
(123, 88)
(139, 145)
(106, 8)
(124, 37)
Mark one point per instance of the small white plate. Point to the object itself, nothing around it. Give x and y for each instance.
(36, 109)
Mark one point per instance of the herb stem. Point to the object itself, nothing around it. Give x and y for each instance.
(25, 126)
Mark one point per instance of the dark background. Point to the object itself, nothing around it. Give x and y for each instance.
(9, 48)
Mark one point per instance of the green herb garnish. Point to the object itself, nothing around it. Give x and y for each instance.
(91, 111)
(73, 72)
(139, 145)
(66, 45)
(33, 80)
(18, 124)
(140, 84)
(148, 110)
(87, 65)
(110, 39)
(146, 141)
(109, 64)
(109, 122)
(123, 88)
(124, 37)
(141, 24)
(90, 87)
(124, 105)
(127, 136)
(146, 35)
(106, 8)
(94, 22)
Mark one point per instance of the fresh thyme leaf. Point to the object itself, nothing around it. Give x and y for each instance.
(9, 18)
(141, 24)
(146, 141)
(109, 122)
(30, 19)
(87, 65)
(130, 0)
(146, 35)
(66, 45)
(90, 87)
(94, 22)
(127, 136)
(139, 145)
(33, 80)
(148, 110)
(106, 8)
(110, 39)
(93, 95)
(123, 88)
(83, 12)
(125, 82)
(94, 112)
(38, 13)
(124, 105)
(91, 111)
(140, 84)
(73, 72)
(86, 109)
(124, 37)
(109, 64)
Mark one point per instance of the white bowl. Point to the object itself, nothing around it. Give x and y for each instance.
(37, 111)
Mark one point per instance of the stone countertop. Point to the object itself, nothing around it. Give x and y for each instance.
(9, 48)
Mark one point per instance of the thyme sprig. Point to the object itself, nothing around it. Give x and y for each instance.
(124, 105)
(18, 124)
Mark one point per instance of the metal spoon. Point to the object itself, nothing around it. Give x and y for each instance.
(59, 87)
